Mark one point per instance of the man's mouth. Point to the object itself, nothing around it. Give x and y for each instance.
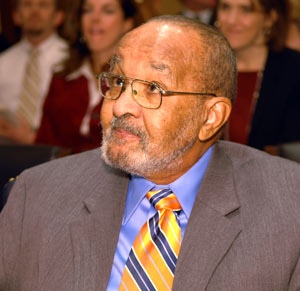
(124, 134)
(121, 129)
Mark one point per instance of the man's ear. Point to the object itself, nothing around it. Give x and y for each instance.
(16, 18)
(215, 115)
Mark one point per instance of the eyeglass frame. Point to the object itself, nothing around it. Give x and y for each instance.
(163, 92)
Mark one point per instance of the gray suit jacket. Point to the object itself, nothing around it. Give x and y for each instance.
(60, 227)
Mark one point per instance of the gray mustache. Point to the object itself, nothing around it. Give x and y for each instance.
(123, 123)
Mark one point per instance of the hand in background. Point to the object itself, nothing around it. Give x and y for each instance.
(18, 131)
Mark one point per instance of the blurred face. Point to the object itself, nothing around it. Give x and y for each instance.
(144, 141)
(103, 24)
(37, 17)
(243, 22)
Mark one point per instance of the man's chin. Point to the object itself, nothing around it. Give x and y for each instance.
(121, 151)
(121, 156)
(118, 159)
(35, 32)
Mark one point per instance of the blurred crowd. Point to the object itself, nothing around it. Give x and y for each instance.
(49, 90)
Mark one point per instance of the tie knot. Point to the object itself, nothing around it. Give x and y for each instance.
(34, 52)
(164, 199)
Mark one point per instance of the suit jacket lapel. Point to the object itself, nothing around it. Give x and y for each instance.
(211, 230)
(94, 238)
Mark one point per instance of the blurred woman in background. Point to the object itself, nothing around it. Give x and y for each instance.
(71, 109)
(266, 110)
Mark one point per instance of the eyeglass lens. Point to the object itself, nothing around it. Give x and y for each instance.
(147, 94)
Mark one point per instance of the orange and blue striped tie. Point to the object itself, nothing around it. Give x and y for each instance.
(153, 256)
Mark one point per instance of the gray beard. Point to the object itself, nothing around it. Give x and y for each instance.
(147, 158)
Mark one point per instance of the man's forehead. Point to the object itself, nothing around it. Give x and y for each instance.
(158, 33)
(121, 61)
(159, 45)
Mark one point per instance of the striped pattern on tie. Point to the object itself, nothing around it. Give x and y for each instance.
(30, 95)
(153, 256)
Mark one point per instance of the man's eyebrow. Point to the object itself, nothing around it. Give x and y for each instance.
(160, 67)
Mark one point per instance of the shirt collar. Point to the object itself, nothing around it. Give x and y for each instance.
(185, 187)
(44, 46)
(84, 70)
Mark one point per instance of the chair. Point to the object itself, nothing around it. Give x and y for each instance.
(15, 158)
(290, 151)
(5, 192)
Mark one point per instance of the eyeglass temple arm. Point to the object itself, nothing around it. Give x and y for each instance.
(186, 93)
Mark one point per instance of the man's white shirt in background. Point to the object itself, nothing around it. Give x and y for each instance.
(13, 62)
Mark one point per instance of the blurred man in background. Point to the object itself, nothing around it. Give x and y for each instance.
(26, 68)
(201, 10)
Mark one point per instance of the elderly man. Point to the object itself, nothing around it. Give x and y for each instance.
(26, 68)
(175, 208)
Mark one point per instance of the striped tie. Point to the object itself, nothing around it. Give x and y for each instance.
(153, 256)
(31, 93)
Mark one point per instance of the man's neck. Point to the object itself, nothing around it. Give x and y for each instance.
(35, 40)
(184, 163)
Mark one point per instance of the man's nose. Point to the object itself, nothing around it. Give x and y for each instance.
(126, 104)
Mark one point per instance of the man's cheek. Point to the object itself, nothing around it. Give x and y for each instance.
(106, 115)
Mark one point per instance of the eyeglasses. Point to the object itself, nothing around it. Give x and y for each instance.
(147, 94)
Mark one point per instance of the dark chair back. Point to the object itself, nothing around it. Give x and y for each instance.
(15, 158)
(290, 151)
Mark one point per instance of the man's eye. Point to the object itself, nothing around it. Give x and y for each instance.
(118, 82)
(153, 88)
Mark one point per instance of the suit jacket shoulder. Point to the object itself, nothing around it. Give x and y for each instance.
(53, 210)
(244, 228)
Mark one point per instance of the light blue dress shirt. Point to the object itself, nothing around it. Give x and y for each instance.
(138, 210)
